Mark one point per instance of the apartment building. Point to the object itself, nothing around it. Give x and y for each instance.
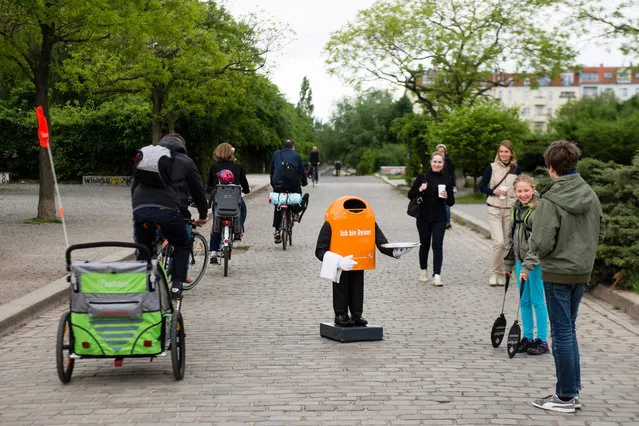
(624, 82)
(541, 102)
(540, 98)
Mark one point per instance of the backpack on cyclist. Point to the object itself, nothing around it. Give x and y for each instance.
(153, 166)
(289, 179)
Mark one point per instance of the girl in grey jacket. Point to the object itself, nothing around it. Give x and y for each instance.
(526, 263)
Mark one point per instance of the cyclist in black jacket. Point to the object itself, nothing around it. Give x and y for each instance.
(166, 206)
(314, 159)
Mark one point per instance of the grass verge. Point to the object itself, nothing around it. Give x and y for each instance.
(38, 221)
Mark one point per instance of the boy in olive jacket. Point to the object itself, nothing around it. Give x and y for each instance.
(567, 228)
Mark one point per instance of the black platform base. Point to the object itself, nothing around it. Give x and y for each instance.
(351, 334)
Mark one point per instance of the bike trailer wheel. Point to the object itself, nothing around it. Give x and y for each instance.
(64, 349)
(178, 349)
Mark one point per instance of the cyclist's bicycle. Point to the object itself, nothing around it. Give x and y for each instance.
(226, 220)
(313, 174)
(286, 228)
(286, 203)
(198, 257)
(227, 234)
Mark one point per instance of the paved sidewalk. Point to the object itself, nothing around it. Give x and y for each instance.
(254, 354)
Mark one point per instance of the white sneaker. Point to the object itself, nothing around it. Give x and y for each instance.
(437, 280)
(492, 281)
(501, 280)
(577, 402)
(553, 403)
(422, 276)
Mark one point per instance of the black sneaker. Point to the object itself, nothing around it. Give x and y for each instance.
(538, 348)
(343, 321)
(213, 259)
(359, 321)
(176, 289)
(278, 237)
(524, 344)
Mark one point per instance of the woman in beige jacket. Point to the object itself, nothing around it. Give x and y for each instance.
(497, 184)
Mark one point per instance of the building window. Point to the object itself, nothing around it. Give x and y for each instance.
(623, 76)
(608, 75)
(550, 95)
(590, 91)
(589, 76)
(549, 112)
(568, 95)
(500, 94)
(525, 112)
(624, 92)
(527, 81)
(567, 79)
(544, 81)
(526, 94)
(539, 126)
(510, 95)
(540, 111)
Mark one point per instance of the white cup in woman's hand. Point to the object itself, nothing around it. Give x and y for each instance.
(504, 191)
(441, 189)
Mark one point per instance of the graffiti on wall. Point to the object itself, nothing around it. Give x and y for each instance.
(107, 180)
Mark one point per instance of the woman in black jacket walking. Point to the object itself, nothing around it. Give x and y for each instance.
(436, 192)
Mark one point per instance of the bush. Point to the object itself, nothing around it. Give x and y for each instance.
(19, 148)
(389, 155)
(99, 140)
(618, 190)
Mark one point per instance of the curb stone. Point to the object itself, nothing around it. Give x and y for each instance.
(18, 312)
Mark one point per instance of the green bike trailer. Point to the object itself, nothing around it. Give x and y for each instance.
(118, 310)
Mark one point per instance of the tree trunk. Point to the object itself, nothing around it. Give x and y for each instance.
(46, 198)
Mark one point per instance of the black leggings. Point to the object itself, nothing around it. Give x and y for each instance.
(434, 231)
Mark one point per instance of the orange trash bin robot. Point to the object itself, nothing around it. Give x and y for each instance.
(346, 246)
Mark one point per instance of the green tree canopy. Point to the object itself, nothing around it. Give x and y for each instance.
(443, 51)
(33, 35)
(360, 124)
(305, 103)
(603, 127)
(472, 134)
(609, 21)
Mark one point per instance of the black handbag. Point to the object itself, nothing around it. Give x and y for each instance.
(414, 206)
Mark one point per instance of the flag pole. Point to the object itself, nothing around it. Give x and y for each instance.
(43, 135)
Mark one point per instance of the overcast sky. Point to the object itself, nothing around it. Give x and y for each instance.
(313, 21)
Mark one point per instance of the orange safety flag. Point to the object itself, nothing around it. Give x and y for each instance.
(43, 128)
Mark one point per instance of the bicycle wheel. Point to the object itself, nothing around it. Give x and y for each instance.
(198, 259)
(290, 229)
(284, 229)
(227, 257)
(178, 349)
(64, 349)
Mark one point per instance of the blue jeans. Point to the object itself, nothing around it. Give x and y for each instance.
(173, 228)
(563, 303)
(533, 299)
(447, 214)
